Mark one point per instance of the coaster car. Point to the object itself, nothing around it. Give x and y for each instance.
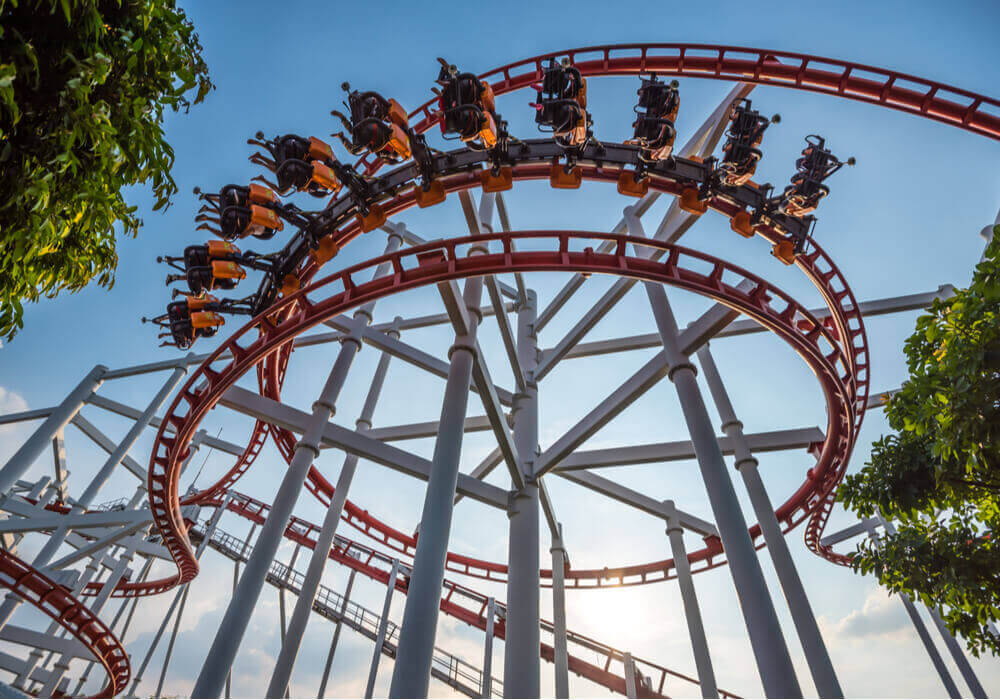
(656, 112)
(467, 107)
(215, 265)
(807, 189)
(376, 125)
(189, 319)
(560, 104)
(740, 153)
(300, 164)
(240, 212)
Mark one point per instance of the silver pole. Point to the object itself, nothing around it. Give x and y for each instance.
(925, 637)
(281, 602)
(34, 446)
(559, 645)
(955, 649)
(336, 636)
(236, 578)
(383, 625)
(522, 673)
(115, 458)
(58, 537)
(491, 612)
(143, 573)
(170, 644)
(817, 656)
(412, 672)
(630, 689)
(770, 651)
(692, 612)
(321, 552)
(234, 623)
(178, 597)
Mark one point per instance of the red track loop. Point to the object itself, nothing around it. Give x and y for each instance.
(56, 602)
(812, 496)
(855, 81)
(831, 362)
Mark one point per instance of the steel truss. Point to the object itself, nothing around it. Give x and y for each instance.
(158, 523)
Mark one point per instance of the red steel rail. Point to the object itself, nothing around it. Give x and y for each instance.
(830, 76)
(72, 615)
(832, 363)
(848, 333)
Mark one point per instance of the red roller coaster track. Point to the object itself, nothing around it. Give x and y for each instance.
(845, 387)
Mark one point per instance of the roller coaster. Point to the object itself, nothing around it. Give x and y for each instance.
(302, 288)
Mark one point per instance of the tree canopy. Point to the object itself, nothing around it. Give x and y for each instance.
(84, 85)
(938, 475)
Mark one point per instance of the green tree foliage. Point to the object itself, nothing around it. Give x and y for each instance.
(84, 85)
(938, 476)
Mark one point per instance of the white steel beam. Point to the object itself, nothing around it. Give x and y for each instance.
(640, 501)
(73, 521)
(875, 307)
(404, 351)
(417, 431)
(772, 441)
(130, 412)
(693, 337)
(284, 416)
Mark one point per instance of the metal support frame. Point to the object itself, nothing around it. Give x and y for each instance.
(803, 618)
(411, 674)
(108, 540)
(321, 693)
(383, 626)
(522, 671)
(692, 612)
(317, 563)
(560, 650)
(766, 639)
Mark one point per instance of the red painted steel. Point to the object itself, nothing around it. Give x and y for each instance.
(793, 322)
(72, 615)
(855, 81)
(849, 332)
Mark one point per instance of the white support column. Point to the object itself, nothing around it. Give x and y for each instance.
(522, 672)
(115, 458)
(631, 691)
(560, 650)
(234, 623)
(817, 656)
(383, 625)
(766, 639)
(925, 637)
(412, 672)
(955, 649)
(336, 636)
(179, 597)
(491, 612)
(60, 417)
(692, 612)
(321, 552)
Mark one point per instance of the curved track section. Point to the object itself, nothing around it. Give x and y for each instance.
(846, 325)
(766, 303)
(72, 615)
(830, 76)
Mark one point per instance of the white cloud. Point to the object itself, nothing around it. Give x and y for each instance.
(11, 436)
(880, 615)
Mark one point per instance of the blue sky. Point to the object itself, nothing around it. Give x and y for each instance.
(904, 220)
